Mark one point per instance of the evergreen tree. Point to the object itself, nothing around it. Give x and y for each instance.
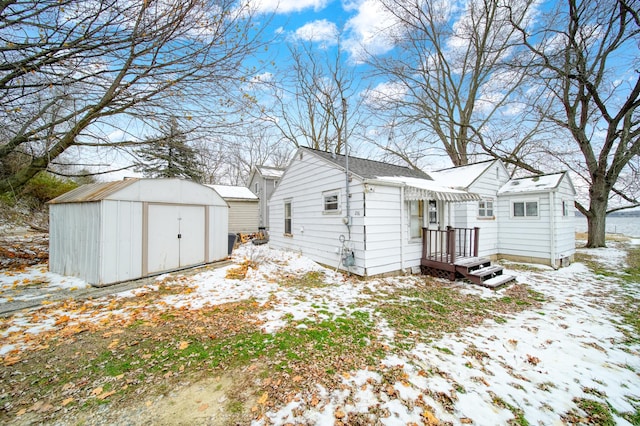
(168, 155)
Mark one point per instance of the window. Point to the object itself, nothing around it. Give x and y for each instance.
(485, 208)
(566, 208)
(331, 202)
(255, 188)
(433, 211)
(525, 209)
(287, 217)
(416, 212)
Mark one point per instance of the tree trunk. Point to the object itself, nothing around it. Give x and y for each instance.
(596, 221)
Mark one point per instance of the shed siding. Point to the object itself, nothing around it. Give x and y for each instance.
(74, 240)
(218, 225)
(121, 237)
(315, 233)
(243, 216)
(565, 225)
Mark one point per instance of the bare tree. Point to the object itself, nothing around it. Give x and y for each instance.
(447, 79)
(586, 57)
(74, 71)
(316, 103)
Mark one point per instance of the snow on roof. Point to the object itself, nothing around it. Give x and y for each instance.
(270, 172)
(532, 184)
(419, 189)
(234, 192)
(461, 176)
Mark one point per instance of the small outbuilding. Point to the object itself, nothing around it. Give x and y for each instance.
(243, 208)
(106, 233)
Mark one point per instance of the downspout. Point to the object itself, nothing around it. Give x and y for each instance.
(402, 227)
(552, 226)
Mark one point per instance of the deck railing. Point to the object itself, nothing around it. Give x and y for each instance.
(445, 245)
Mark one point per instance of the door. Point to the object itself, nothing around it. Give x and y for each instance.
(175, 236)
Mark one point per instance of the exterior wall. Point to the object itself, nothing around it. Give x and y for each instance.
(385, 233)
(487, 186)
(314, 232)
(263, 188)
(218, 230)
(243, 216)
(120, 241)
(74, 240)
(565, 225)
(526, 237)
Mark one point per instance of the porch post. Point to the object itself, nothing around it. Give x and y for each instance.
(476, 240)
(451, 244)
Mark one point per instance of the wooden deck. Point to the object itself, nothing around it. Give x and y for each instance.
(452, 253)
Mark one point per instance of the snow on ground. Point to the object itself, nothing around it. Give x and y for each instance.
(34, 283)
(535, 363)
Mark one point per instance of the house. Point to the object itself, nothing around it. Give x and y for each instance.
(262, 182)
(106, 233)
(243, 208)
(530, 219)
(374, 218)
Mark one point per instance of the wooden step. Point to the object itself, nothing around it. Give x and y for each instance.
(472, 262)
(487, 271)
(497, 281)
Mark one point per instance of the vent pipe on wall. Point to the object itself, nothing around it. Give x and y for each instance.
(347, 219)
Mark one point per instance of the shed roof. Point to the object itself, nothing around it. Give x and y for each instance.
(532, 184)
(231, 192)
(93, 191)
(369, 169)
(462, 176)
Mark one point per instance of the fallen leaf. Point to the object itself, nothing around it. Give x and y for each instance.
(21, 412)
(106, 395)
(148, 403)
(263, 399)
(183, 345)
(67, 402)
(97, 391)
(113, 344)
(339, 414)
(297, 378)
(429, 418)
(203, 407)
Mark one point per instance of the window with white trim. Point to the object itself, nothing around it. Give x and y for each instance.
(485, 208)
(525, 209)
(566, 208)
(287, 217)
(331, 202)
(416, 213)
(433, 212)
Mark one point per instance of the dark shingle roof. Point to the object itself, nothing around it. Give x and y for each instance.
(369, 169)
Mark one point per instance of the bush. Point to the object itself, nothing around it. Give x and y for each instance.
(45, 186)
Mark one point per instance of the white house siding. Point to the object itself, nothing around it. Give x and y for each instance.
(565, 226)
(384, 233)
(74, 239)
(525, 237)
(314, 233)
(121, 237)
(486, 185)
(243, 216)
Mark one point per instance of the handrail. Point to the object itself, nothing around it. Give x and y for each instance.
(445, 245)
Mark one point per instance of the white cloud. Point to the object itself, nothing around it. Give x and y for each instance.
(384, 93)
(370, 31)
(287, 6)
(321, 31)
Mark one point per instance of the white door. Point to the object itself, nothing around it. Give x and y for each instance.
(175, 237)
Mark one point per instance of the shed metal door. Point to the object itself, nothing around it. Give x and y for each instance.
(176, 236)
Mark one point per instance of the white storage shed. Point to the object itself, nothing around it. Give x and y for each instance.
(243, 208)
(106, 233)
